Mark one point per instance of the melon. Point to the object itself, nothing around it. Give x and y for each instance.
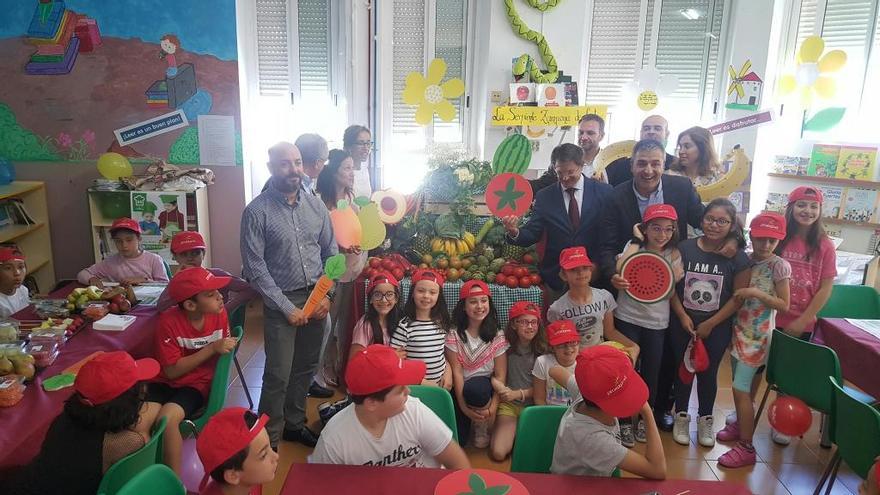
(513, 155)
(392, 205)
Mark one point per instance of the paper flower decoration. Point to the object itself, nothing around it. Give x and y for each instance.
(430, 95)
(648, 86)
(811, 75)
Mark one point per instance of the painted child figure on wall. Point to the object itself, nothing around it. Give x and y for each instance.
(170, 44)
(148, 219)
(171, 220)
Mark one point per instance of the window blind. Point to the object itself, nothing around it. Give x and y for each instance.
(450, 31)
(408, 52)
(273, 62)
(683, 43)
(613, 49)
(313, 22)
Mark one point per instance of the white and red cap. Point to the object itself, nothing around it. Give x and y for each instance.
(426, 274)
(382, 277)
(808, 193)
(606, 377)
(562, 332)
(522, 308)
(190, 281)
(696, 360)
(574, 257)
(768, 224)
(379, 367)
(225, 435)
(474, 288)
(107, 375)
(653, 212)
(127, 224)
(187, 240)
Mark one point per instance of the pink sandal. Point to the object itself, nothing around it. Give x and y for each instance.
(737, 457)
(730, 433)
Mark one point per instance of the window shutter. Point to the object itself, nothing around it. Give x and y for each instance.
(449, 44)
(682, 44)
(313, 18)
(847, 25)
(408, 55)
(613, 49)
(806, 21)
(273, 65)
(712, 61)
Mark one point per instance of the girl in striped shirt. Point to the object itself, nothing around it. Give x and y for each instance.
(423, 328)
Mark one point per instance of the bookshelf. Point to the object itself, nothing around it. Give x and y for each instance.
(831, 181)
(34, 240)
(106, 206)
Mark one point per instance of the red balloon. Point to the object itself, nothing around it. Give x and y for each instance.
(789, 415)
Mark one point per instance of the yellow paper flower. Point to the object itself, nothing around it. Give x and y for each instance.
(430, 95)
(811, 75)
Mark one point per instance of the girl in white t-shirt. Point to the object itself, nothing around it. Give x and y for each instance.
(564, 342)
(13, 296)
(476, 352)
(382, 316)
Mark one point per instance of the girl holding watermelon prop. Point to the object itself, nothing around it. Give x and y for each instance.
(476, 353)
(767, 293)
(643, 316)
(704, 308)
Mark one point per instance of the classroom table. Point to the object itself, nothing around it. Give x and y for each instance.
(325, 479)
(857, 350)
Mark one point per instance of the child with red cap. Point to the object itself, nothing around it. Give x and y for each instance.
(588, 439)
(235, 452)
(13, 295)
(385, 426)
(189, 339)
(130, 265)
(188, 249)
(767, 293)
(102, 422)
(564, 344)
(476, 352)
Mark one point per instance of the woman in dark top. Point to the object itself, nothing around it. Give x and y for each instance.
(103, 421)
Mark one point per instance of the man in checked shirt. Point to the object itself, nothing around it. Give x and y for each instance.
(285, 238)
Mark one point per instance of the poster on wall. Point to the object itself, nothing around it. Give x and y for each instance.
(161, 214)
(75, 71)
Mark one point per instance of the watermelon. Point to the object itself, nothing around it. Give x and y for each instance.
(649, 275)
(513, 155)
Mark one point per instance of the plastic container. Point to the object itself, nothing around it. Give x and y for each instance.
(96, 310)
(11, 390)
(12, 348)
(51, 308)
(56, 335)
(44, 352)
(9, 330)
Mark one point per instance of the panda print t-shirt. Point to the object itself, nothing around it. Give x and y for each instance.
(708, 279)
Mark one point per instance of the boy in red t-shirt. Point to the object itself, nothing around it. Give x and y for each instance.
(189, 338)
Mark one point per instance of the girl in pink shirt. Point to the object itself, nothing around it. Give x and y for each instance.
(130, 265)
(382, 316)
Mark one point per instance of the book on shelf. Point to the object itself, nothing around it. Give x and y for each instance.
(833, 196)
(823, 160)
(776, 202)
(856, 162)
(859, 206)
(15, 213)
(790, 165)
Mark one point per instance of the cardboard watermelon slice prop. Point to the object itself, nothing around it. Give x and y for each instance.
(649, 275)
(479, 482)
(508, 194)
(513, 155)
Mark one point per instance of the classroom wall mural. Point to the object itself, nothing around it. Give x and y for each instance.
(82, 77)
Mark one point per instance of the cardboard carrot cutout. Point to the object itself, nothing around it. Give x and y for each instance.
(346, 226)
(508, 194)
(334, 267)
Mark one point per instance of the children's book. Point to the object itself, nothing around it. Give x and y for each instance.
(823, 160)
(790, 165)
(856, 162)
(776, 202)
(833, 196)
(860, 205)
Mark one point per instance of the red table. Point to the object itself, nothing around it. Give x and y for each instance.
(858, 351)
(326, 479)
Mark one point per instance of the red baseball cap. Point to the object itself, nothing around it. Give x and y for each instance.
(562, 332)
(808, 193)
(10, 254)
(606, 377)
(225, 435)
(768, 224)
(574, 257)
(521, 308)
(378, 367)
(107, 375)
(426, 274)
(187, 240)
(659, 211)
(696, 360)
(190, 281)
(473, 288)
(125, 223)
(382, 277)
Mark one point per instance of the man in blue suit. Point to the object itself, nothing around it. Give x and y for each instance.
(569, 213)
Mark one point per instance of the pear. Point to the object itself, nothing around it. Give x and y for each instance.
(372, 227)
(24, 369)
(6, 366)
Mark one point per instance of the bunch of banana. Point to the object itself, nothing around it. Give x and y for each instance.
(454, 247)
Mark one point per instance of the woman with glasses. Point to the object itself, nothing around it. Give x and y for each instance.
(358, 141)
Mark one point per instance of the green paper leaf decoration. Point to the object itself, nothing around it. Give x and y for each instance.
(498, 490)
(334, 267)
(825, 119)
(341, 204)
(476, 482)
(362, 201)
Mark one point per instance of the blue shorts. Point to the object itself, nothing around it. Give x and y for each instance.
(743, 375)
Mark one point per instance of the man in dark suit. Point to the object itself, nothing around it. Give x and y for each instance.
(654, 127)
(567, 212)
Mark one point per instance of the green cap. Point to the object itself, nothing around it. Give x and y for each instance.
(168, 198)
(150, 207)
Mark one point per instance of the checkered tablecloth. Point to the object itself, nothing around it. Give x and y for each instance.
(502, 296)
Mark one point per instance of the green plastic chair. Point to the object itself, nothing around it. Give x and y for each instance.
(167, 269)
(438, 400)
(129, 466)
(236, 319)
(157, 479)
(852, 301)
(855, 428)
(217, 394)
(535, 439)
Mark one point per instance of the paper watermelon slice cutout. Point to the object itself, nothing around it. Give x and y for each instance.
(649, 275)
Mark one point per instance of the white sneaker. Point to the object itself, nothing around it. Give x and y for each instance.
(705, 435)
(681, 428)
(731, 418)
(779, 438)
(626, 435)
(481, 434)
(641, 434)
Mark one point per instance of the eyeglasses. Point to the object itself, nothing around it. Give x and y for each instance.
(656, 229)
(368, 144)
(721, 222)
(388, 296)
(527, 323)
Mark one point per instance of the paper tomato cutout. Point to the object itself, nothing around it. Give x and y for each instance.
(392, 205)
(346, 226)
(479, 482)
(508, 194)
